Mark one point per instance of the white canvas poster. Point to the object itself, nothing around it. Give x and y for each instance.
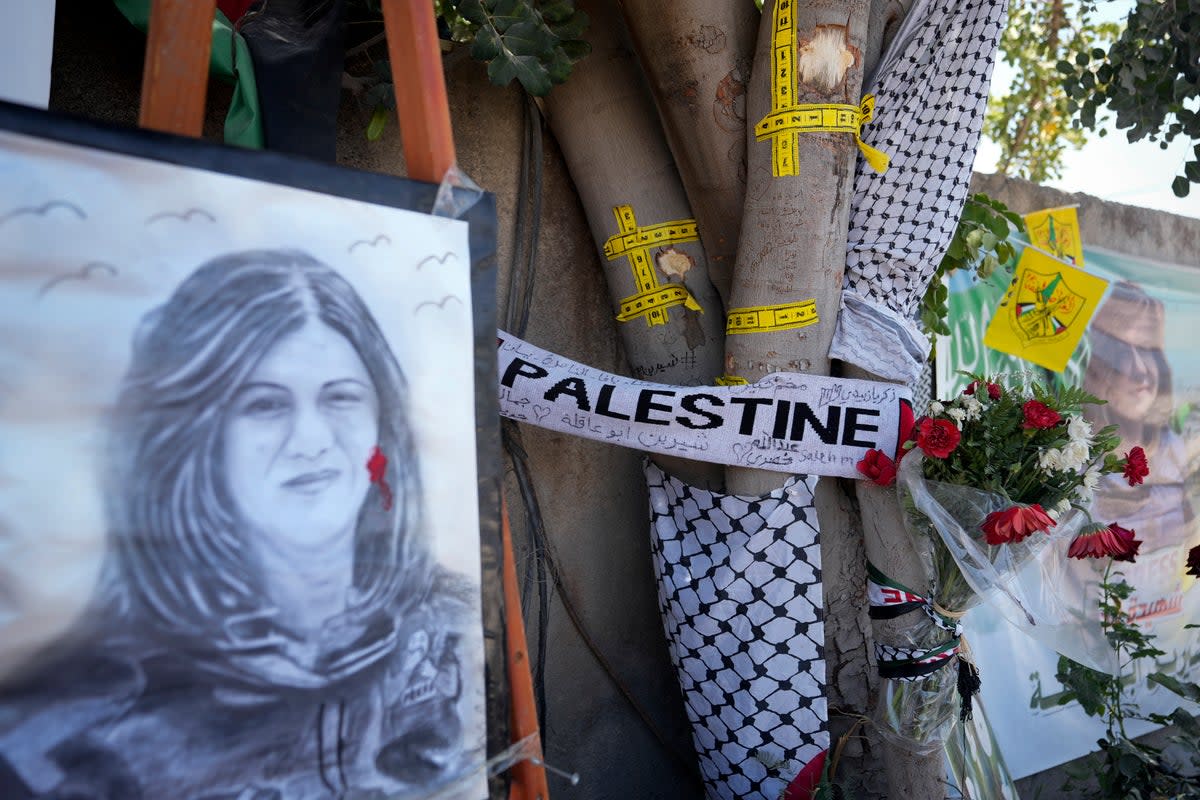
(239, 536)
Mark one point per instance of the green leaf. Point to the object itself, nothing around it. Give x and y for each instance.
(998, 227)
(378, 122)
(1188, 691)
(487, 44)
(528, 38)
(576, 49)
(559, 67)
(473, 12)
(527, 69)
(572, 27)
(557, 10)
(1129, 765)
(1181, 719)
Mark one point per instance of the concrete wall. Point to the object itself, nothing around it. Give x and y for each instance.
(1142, 232)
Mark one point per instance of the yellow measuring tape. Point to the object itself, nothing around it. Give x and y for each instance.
(788, 119)
(652, 298)
(731, 380)
(764, 319)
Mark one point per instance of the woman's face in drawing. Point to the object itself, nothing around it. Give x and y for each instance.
(297, 439)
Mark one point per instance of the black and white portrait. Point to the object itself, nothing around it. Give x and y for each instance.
(239, 537)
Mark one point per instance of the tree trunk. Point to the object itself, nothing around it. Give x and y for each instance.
(793, 249)
(605, 122)
(909, 775)
(696, 54)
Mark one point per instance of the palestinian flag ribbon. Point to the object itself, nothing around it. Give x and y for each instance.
(909, 663)
(889, 599)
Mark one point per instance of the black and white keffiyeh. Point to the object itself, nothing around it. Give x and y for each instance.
(931, 90)
(740, 591)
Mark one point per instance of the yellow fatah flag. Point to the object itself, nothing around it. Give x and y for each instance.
(1044, 311)
(1056, 230)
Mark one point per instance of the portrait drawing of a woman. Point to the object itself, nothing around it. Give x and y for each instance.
(271, 624)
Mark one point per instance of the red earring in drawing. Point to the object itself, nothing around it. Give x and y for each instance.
(377, 468)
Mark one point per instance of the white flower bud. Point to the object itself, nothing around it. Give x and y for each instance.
(1075, 455)
(1051, 459)
(973, 407)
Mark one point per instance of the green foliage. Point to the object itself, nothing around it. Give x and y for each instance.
(1030, 122)
(981, 243)
(1123, 768)
(534, 41)
(998, 453)
(1148, 77)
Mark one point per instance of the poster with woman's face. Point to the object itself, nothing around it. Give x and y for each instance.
(239, 533)
(1139, 356)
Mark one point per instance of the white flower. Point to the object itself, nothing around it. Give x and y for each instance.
(1052, 513)
(973, 407)
(1091, 479)
(958, 415)
(1051, 459)
(1079, 429)
(1075, 455)
(936, 408)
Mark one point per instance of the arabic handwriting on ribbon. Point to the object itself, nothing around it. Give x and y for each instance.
(618, 433)
(653, 441)
(576, 421)
(868, 394)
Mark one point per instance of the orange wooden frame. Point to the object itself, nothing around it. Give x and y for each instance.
(174, 88)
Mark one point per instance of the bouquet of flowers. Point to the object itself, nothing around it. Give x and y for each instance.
(987, 481)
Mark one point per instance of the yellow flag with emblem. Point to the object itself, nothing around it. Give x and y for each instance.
(1044, 311)
(1056, 230)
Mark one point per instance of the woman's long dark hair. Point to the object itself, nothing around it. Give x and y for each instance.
(182, 563)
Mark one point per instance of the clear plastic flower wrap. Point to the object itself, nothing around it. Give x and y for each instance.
(1030, 582)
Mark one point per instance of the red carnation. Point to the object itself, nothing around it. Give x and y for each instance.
(993, 389)
(878, 467)
(1015, 523)
(937, 437)
(1100, 541)
(1039, 415)
(1193, 561)
(907, 425)
(1136, 466)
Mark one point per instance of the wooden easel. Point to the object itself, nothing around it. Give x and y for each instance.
(174, 87)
